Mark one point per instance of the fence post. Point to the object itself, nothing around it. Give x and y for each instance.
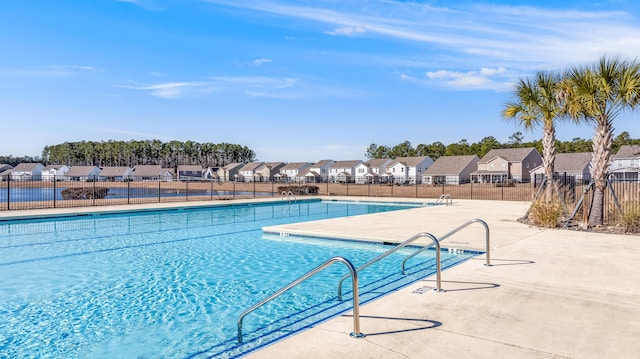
(93, 198)
(159, 190)
(471, 186)
(54, 191)
(211, 190)
(128, 192)
(8, 191)
(234, 189)
(186, 192)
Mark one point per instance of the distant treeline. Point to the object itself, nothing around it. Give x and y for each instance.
(480, 148)
(147, 152)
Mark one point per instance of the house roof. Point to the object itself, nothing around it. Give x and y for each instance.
(509, 154)
(232, 165)
(251, 166)
(451, 165)
(147, 171)
(295, 166)
(377, 162)
(4, 167)
(114, 171)
(49, 167)
(81, 171)
(408, 161)
(321, 163)
(572, 162)
(345, 164)
(190, 168)
(627, 151)
(26, 167)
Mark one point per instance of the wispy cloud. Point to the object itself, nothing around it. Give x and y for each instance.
(151, 5)
(346, 31)
(521, 38)
(259, 62)
(486, 78)
(172, 90)
(53, 71)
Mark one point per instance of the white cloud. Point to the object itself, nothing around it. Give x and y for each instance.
(486, 78)
(173, 90)
(521, 38)
(347, 31)
(54, 71)
(259, 62)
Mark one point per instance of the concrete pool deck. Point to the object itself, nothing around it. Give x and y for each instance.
(549, 293)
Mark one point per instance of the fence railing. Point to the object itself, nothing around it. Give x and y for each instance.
(31, 194)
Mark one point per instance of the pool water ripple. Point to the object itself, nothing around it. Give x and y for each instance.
(172, 283)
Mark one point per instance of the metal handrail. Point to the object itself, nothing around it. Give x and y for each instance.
(356, 306)
(447, 198)
(396, 248)
(288, 195)
(455, 230)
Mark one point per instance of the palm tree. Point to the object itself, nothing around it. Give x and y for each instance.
(536, 104)
(596, 94)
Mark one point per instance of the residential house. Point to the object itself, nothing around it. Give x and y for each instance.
(190, 173)
(246, 173)
(625, 164)
(343, 171)
(27, 172)
(568, 165)
(5, 171)
(266, 171)
(82, 173)
(507, 164)
(147, 173)
(167, 174)
(372, 170)
(116, 174)
(407, 170)
(230, 172)
(291, 172)
(451, 170)
(318, 172)
(54, 172)
(211, 173)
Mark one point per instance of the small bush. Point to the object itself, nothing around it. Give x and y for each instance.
(299, 190)
(630, 218)
(546, 214)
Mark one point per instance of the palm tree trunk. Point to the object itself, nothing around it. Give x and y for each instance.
(549, 158)
(602, 142)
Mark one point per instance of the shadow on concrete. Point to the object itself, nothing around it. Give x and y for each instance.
(424, 324)
(472, 285)
(509, 262)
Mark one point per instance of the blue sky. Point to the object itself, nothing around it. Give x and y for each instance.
(292, 80)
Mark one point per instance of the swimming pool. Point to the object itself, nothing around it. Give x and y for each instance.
(171, 283)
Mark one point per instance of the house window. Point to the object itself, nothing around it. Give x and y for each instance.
(527, 164)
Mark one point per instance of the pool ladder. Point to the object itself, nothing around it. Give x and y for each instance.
(353, 273)
(288, 196)
(356, 306)
(446, 198)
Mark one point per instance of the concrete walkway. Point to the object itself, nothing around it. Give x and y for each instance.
(549, 294)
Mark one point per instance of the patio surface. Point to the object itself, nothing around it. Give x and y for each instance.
(549, 293)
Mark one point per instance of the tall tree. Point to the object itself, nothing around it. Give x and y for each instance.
(536, 104)
(596, 94)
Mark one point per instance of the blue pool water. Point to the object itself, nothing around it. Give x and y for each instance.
(172, 283)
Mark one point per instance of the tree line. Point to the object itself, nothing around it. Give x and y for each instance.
(145, 152)
(480, 148)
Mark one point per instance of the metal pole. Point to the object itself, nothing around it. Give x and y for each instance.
(54, 191)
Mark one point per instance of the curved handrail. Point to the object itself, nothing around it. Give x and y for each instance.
(447, 198)
(356, 306)
(452, 232)
(288, 195)
(394, 249)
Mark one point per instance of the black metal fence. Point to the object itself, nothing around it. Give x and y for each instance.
(20, 195)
